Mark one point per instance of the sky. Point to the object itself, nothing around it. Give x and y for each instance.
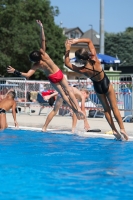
(118, 14)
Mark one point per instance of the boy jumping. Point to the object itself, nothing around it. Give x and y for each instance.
(43, 61)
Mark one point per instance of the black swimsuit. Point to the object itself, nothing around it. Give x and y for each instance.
(2, 111)
(102, 86)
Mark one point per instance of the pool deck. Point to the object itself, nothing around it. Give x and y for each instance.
(64, 123)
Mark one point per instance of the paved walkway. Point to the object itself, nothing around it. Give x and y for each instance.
(64, 123)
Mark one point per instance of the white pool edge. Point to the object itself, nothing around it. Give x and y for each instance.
(57, 131)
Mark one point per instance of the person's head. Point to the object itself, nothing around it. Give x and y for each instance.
(35, 56)
(12, 94)
(85, 92)
(82, 55)
(4, 90)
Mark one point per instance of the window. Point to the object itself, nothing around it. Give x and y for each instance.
(74, 34)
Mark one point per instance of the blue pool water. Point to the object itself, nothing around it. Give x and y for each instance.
(36, 165)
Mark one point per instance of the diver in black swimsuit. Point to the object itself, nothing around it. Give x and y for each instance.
(102, 86)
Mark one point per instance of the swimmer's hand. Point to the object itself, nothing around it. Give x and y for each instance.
(73, 41)
(46, 98)
(67, 45)
(86, 126)
(39, 23)
(16, 124)
(10, 70)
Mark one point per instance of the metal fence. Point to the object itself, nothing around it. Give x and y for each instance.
(17, 84)
(122, 84)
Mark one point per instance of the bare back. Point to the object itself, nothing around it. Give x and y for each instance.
(95, 70)
(46, 64)
(77, 93)
(7, 103)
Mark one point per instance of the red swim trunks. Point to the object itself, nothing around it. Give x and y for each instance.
(56, 77)
(48, 92)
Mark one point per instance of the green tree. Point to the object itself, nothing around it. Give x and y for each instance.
(120, 45)
(129, 30)
(19, 33)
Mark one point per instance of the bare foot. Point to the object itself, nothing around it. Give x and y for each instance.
(117, 135)
(72, 130)
(44, 129)
(123, 132)
(87, 128)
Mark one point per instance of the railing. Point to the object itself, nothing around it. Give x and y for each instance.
(122, 84)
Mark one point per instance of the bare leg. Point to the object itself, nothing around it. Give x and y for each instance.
(86, 124)
(75, 107)
(74, 122)
(57, 105)
(113, 103)
(0, 121)
(72, 99)
(107, 111)
(70, 93)
(3, 122)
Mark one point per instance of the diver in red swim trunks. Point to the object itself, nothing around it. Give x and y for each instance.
(43, 62)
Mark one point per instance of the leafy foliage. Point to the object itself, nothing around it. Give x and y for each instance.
(19, 33)
(120, 45)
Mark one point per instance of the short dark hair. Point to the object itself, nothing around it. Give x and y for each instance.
(12, 94)
(82, 54)
(35, 56)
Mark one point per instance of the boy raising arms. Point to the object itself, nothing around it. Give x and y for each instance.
(5, 105)
(43, 62)
(81, 96)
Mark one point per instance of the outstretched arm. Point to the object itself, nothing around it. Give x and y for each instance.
(43, 46)
(46, 98)
(14, 114)
(12, 70)
(67, 59)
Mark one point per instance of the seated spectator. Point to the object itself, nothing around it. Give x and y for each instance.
(44, 99)
(33, 96)
(30, 97)
(47, 92)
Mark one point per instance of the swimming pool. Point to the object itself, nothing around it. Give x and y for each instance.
(36, 165)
